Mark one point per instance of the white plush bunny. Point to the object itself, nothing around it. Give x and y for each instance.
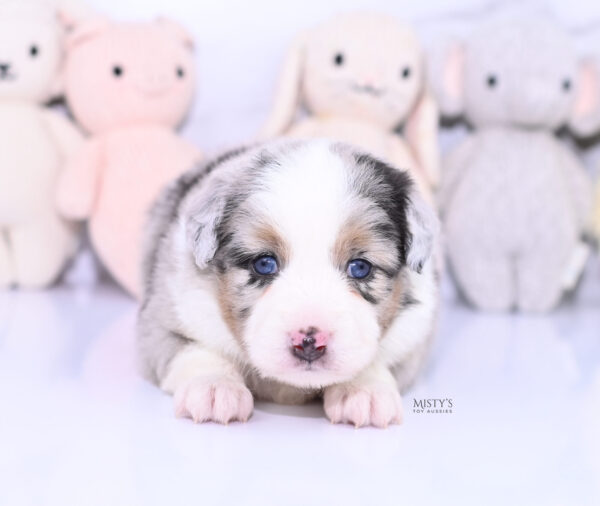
(360, 76)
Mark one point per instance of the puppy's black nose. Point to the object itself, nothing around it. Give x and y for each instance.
(4, 68)
(307, 349)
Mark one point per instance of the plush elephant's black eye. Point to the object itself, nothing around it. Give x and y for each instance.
(338, 59)
(180, 72)
(566, 85)
(34, 51)
(117, 71)
(492, 81)
(406, 72)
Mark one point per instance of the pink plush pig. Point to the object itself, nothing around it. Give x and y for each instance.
(129, 85)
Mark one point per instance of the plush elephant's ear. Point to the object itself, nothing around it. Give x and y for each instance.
(449, 84)
(287, 93)
(585, 118)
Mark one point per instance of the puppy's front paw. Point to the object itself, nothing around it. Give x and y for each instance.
(370, 404)
(216, 399)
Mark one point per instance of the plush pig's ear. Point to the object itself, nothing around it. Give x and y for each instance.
(72, 13)
(86, 30)
(287, 94)
(585, 118)
(177, 31)
(449, 85)
(421, 131)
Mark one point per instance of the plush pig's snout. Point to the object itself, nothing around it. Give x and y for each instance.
(309, 344)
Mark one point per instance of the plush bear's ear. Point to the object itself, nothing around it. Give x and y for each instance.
(449, 86)
(177, 31)
(585, 118)
(83, 31)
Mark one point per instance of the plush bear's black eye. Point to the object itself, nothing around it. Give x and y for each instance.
(492, 81)
(180, 72)
(34, 51)
(339, 59)
(566, 85)
(117, 71)
(406, 72)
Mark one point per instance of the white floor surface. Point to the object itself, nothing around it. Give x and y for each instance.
(79, 427)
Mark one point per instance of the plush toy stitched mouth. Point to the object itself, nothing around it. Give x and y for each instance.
(153, 92)
(7, 77)
(368, 89)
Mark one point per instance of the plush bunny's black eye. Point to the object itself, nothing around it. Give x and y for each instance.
(492, 81)
(34, 51)
(117, 71)
(406, 72)
(566, 85)
(180, 72)
(339, 59)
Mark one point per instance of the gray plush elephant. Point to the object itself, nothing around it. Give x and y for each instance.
(515, 200)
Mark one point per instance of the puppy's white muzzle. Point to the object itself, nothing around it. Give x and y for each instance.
(311, 336)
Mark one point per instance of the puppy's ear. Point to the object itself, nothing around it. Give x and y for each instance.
(423, 227)
(202, 219)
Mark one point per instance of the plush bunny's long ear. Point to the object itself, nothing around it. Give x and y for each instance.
(421, 131)
(449, 86)
(585, 119)
(287, 95)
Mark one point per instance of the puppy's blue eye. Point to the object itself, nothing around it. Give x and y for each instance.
(265, 265)
(359, 268)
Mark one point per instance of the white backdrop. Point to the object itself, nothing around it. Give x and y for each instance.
(241, 44)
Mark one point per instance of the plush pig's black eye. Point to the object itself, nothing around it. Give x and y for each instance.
(117, 71)
(406, 72)
(492, 81)
(338, 59)
(180, 72)
(34, 51)
(566, 85)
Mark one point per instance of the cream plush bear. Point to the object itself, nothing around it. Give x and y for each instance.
(35, 242)
(515, 199)
(360, 76)
(129, 85)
